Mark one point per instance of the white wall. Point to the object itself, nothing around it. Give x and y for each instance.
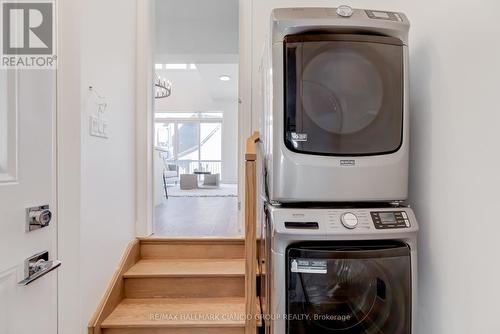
(229, 139)
(196, 31)
(100, 53)
(455, 163)
(108, 175)
(189, 92)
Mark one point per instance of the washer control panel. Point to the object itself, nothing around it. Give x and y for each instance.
(390, 219)
(349, 220)
(322, 222)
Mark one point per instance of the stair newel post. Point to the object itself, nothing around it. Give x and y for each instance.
(251, 233)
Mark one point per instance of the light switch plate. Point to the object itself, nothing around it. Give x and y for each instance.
(98, 127)
(105, 129)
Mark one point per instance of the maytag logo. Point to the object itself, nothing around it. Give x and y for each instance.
(347, 162)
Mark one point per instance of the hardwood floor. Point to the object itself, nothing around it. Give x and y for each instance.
(197, 216)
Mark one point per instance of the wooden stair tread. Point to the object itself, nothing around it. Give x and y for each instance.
(179, 286)
(178, 312)
(188, 248)
(187, 267)
(194, 240)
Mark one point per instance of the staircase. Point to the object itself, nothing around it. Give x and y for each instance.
(187, 286)
(176, 286)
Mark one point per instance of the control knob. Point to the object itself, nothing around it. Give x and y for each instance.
(349, 220)
(344, 11)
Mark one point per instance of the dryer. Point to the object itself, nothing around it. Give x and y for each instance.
(335, 105)
(350, 270)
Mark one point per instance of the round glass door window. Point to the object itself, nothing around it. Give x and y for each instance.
(355, 296)
(343, 94)
(343, 292)
(347, 104)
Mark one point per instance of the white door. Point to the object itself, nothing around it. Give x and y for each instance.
(27, 174)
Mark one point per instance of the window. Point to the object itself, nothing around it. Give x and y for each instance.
(189, 115)
(3, 121)
(165, 139)
(211, 141)
(190, 141)
(8, 127)
(343, 94)
(176, 66)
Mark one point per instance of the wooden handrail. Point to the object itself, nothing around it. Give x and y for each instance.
(251, 233)
(251, 147)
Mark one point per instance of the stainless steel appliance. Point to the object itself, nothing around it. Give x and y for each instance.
(339, 270)
(335, 105)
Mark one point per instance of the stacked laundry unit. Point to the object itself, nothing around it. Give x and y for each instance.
(338, 244)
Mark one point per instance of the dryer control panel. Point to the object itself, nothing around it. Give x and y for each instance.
(390, 219)
(383, 15)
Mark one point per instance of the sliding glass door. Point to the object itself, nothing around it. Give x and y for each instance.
(188, 147)
(193, 145)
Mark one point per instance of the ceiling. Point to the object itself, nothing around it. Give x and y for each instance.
(223, 90)
(196, 31)
(204, 33)
(200, 89)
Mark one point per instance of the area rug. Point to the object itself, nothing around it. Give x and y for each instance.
(225, 190)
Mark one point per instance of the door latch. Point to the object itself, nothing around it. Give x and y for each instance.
(38, 217)
(37, 266)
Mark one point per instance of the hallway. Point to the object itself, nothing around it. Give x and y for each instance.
(197, 216)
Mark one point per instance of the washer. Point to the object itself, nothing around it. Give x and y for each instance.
(335, 114)
(339, 270)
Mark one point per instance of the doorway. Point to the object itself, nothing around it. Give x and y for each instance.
(195, 144)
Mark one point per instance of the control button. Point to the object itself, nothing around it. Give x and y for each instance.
(405, 216)
(349, 220)
(344, 11)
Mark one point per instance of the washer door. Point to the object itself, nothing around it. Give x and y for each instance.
(343, 94)
(360, 288)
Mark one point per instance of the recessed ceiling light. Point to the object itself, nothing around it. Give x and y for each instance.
(225, 78)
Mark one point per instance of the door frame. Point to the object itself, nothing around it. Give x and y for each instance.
(68, 167)
(144, 117)
(145, 109)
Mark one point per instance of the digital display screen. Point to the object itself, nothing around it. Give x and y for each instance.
(390, 219)
(381, 15)
(387, 217)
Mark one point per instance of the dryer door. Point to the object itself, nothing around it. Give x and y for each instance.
(343, 94)
(349, 288)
